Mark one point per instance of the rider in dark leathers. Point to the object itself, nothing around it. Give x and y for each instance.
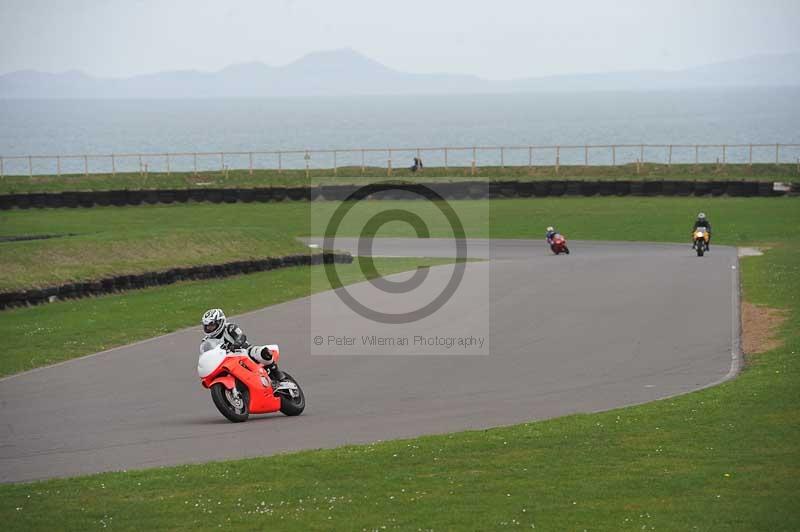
(702, 221)
(550, 234)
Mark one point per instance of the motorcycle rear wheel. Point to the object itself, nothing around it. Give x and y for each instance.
(233, 409)
(293, 406)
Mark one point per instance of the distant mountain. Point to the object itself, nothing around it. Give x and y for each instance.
(346, 72)
(754, 71)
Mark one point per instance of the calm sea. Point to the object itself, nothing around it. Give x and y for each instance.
(49, 127)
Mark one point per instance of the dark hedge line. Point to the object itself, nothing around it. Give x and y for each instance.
(460, 190)
(120, 283)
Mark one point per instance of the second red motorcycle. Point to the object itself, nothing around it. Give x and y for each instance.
(559, 245)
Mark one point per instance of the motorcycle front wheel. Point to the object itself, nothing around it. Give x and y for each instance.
(293, 406)
(232, 405)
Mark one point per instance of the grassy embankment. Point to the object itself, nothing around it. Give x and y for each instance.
(726, 458)
(349, 175)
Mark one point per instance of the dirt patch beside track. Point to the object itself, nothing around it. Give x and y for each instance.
(759, 328)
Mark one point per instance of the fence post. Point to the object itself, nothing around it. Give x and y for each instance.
(389, 164)
(85, 165)
(280, 162)
(641, 152)
(222, 161)
(502, 157)
(669, 160)
(362, 162)
(724, 154)
(585, 155)
(194, 159)
(696, 155)
(614, 155)
(474, 153)
(335, 172)
(30, 166)
(113, 165)
(307, 157)
(530, 156)
(445, 158)
(2, 169)
(558, 158)
(58, 165)
(750, 159)
(777, 153)
(250, 157)
(166, 155)
(140, 165)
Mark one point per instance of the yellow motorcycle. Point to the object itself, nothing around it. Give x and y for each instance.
(700, 237)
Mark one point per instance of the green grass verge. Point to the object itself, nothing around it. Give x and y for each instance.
(349, 175)
(131, 240)
(724, 458)
(41, 263)
(112, 241)
(59, 331)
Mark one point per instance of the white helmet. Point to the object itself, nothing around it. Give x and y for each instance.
(550, 229)
(701, 216)
(213, 321)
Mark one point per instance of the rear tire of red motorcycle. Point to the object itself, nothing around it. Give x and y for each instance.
(293, 407)
(225, 407)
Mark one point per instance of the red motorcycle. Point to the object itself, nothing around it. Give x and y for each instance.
(240, 387)
(559, 245)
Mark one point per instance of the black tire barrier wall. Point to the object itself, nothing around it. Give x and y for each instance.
(121, 283)
(456, 190)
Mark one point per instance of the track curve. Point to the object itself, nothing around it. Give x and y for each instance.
(612, 324)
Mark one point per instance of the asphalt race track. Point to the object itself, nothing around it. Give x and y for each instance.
(611, 324)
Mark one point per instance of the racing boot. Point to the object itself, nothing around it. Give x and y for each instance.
(275, 374)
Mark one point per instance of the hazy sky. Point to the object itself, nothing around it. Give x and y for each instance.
(495, 39)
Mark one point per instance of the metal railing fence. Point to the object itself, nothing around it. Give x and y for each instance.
(361, 159)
